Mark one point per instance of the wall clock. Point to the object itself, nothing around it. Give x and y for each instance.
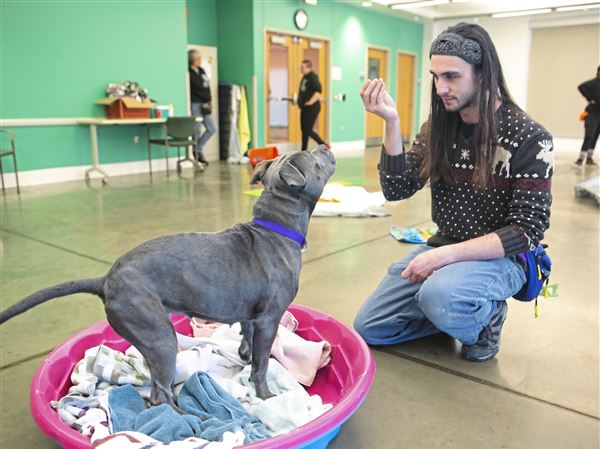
(301, 19)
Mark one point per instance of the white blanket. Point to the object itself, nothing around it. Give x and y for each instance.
(350, 201)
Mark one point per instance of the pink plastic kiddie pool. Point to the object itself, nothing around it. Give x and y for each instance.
(343, 383)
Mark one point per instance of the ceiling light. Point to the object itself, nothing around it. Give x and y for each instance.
(526, 12)
(367, 4)
(419, 4)
(311, 2)
(578, 7)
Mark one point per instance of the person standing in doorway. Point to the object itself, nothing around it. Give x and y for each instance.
(591, 91)
(201, 100)
(309, 101)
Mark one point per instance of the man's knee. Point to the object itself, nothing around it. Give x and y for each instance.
(435, 300)
(362, 326)
(371, 324)
(450, 306)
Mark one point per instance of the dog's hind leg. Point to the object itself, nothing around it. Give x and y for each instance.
(247, 332)
(145, 324)
(265, 330)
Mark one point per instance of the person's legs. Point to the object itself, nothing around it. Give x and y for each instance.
(391, 314)
(594, 133)
(197, 112)
(460, 298)
(305, 127)
(316, 108)
(211, 128)
(591, 128)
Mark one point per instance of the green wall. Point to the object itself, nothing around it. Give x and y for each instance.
(58, 56)
(202, 22)
(350, 29)
(236, 46)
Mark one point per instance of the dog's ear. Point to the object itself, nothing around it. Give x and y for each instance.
(292, 176)
(260, 170)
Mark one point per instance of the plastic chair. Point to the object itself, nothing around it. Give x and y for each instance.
(180, 133)
(9, 152)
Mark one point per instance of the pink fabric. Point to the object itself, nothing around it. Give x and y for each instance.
(202, 328)
(302, 358)
(289, 321)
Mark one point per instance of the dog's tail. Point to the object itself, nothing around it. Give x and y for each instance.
(93, 286)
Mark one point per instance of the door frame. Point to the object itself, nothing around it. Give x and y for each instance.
(414, 126)
(388, 52)
(326, 134)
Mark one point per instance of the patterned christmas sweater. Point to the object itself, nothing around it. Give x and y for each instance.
(516, 202)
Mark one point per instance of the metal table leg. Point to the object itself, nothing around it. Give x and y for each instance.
(95, 160)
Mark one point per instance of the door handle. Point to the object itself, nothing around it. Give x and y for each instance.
(293, 99)
(280, 99)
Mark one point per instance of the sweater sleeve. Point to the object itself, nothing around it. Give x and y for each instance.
(400, 175)
(529, 207)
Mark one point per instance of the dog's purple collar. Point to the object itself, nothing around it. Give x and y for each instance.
(276, 227)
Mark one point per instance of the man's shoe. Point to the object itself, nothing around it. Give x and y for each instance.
(203, 162)
(488, 343)
(578, 163)
(590, 162)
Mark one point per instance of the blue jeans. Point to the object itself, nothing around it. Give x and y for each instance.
(209, 124)
(457, 299)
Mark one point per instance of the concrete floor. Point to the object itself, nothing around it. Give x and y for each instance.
(542, 391)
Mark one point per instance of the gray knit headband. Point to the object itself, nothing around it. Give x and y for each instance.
(451, 44)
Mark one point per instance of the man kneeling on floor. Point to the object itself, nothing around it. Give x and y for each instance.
(490, 167)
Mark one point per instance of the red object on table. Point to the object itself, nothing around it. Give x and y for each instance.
(118, 108)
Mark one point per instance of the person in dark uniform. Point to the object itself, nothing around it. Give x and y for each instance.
(309, 101)
(201, 103)
(591, 91)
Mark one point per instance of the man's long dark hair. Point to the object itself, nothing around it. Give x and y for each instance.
(443, 127)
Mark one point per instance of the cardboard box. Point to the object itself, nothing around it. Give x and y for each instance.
(125, 107)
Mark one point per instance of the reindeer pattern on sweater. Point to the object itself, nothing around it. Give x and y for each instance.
(516, 202)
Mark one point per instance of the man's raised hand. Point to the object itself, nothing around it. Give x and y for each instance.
(377, 100)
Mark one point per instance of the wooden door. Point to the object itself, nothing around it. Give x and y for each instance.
(283, 56)
(316, 51)
(405, 88)
(280, 78)
(376, 68)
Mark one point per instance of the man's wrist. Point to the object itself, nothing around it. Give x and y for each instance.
(393, 121)
(449, 254)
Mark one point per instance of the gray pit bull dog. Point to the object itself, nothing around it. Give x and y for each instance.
(248, 274)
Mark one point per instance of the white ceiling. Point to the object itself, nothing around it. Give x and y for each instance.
(474, 8)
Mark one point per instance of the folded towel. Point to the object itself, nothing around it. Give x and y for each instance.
(103, 364)
(291, 406)
(301, 357)
(212, 412)
(219, 411)
(136, 440)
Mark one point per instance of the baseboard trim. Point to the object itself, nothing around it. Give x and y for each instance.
(64, 174)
